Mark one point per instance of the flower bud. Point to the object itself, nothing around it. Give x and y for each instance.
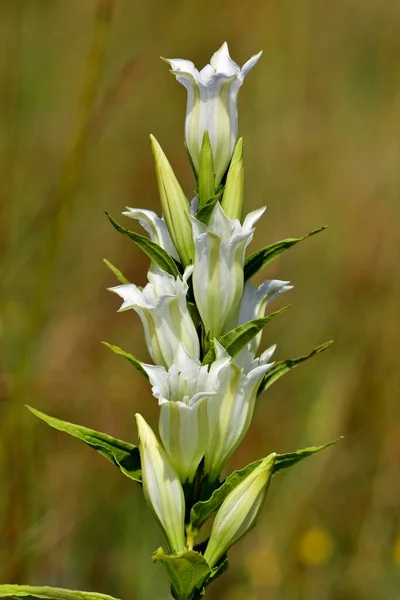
(174, 205)
(239, 511)
(232, 200)
(162, 487)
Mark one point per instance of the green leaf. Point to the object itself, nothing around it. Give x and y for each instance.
(29, 591)
(232, 201)
(204, 213)
(201, 511)
(190, 160)
(284, 461)
(154, 251)
(237, 338)
(188, 572)
(134, 361)
(220, 568)
(120, 276)
(206, 176)
(260, 259)
(283, 366)
(122, 454)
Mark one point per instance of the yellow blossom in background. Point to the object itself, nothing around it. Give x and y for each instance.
(396, 551)
(315, 547)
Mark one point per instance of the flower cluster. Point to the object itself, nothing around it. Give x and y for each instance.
(203, 321)
(206, 387)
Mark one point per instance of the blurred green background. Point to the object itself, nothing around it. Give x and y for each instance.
(82, 87)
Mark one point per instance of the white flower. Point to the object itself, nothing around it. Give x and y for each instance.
(253, 305)
(212, 105)
(162, 487)
(162, 308)
(239, 511)
(218, 266)
(155, 227)
(183, 392)
(230, 411)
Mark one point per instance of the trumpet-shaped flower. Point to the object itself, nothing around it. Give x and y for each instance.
(231, 410)
(155, 227)
(212, 105)
(183, 393)
(218, 266)
(239, 511)
(162, 308)
(253, 305)
(162, 487)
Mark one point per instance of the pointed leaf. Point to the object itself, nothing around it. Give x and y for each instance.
(134, 361)
(204, 509)
(260, 259)
(232, 201)
(206, 171)
(237, 338)
(204, 213)
(283, 366)
(188, 572)
(49, 593)
(122, 454)
(284, 461)
(153, 250)
(120, 276)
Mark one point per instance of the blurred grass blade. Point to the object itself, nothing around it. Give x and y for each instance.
(237, 338)
(134, 361)
(118, 274)
(122, 454)
(283, 366)
(260, 259)
(50, 593)
(153, 250)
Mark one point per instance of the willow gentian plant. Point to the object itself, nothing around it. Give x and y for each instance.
(203, 320)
